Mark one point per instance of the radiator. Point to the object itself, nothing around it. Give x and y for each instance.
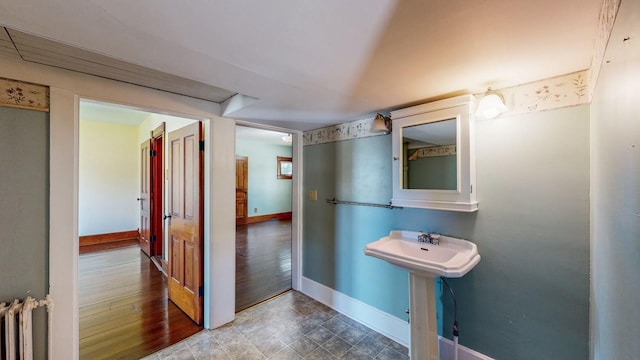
(15, 321)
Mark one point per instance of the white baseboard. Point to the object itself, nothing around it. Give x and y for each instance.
(390, 326)
(464, 353)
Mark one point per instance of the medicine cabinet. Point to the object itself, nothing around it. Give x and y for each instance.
(433, 155)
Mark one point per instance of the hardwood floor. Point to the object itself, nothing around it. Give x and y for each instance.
(124, 310)
(263, 261)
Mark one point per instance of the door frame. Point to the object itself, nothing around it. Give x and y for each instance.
(219, 234)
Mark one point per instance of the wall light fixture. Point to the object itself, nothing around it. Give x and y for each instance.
(491, 105)
(381, 124)
(287, 139)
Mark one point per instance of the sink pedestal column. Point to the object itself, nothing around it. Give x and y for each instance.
(424, 323)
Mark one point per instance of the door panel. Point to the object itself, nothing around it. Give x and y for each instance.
(189, 254)
(144, 199)
(157, 211)
(151, 196)
(242, 188)
(176, 259)
(186, 226)
(190, 147)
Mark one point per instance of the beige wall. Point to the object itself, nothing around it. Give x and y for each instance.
(108, 178)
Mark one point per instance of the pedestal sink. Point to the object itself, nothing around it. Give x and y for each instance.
(424, 261)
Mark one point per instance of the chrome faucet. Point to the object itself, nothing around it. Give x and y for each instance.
(429, 238)
(434, 239)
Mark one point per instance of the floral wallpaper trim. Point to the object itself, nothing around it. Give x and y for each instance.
(14, 93)
(553, 93)
(433, 151)
(606, 21)
(346, 131)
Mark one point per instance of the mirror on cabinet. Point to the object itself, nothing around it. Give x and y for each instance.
(433, 160)
(429, 156)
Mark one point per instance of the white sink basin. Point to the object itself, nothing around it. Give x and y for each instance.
(451, 258)
(424, 262)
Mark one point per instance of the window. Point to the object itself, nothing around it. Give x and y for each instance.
(285, 167)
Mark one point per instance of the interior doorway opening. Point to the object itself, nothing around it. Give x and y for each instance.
(263, 215)
(120, 150)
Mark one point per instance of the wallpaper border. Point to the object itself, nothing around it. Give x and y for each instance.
(346, 131)
(24, 95)
(548, 94)
(432, 151)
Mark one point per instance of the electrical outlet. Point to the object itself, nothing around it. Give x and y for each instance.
(313, 195)
(255, 210)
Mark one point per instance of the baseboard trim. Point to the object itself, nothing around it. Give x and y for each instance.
(165, 266)
(108, 237)
(378, 320)
(464, 353)
(267, 217)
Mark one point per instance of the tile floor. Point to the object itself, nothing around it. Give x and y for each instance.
(290, 326)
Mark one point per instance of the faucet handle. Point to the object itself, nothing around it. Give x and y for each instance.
(434, 239)
(422, 237)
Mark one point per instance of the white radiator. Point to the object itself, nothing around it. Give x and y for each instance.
(18, 337)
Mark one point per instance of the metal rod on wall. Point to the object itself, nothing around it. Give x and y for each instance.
(335, 201)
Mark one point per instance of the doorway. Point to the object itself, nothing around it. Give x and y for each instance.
(263, 216)
(219, 292)
(112, 198)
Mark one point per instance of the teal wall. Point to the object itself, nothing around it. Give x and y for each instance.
(335, 235)
(267, 193)
(437, 172)
(528, 298)
(24, 212)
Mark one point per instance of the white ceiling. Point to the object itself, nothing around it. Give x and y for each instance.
(262, 136)
(314, 63)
